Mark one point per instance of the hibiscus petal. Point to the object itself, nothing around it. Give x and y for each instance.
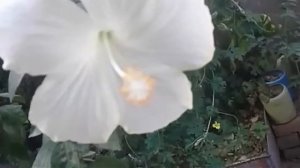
(177, 32)
(171, 98)
(81, 106)
(14, 81)
(43, 36)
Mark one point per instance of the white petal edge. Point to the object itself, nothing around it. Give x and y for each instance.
(14, 81)
(175, 32)
(171, 98)
(34, 133)
(80, 106)
(44, 36)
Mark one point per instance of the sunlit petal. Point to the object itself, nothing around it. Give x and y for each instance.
(177, 32)
(14, 81)
(43, 36)
(81, 106)
(172, 96)
(120, 63)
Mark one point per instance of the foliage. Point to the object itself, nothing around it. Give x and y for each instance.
(12, 136)
(225, 92)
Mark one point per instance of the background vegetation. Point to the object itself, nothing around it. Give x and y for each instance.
(226, 124)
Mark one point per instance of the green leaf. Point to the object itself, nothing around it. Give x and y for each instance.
(228, 126)
(66, 154)
(259, 130)
(12, 134)
(43, 159)
(211, 110)
(218, 84)
(108, 162)
(153, 142)
(12, 114)
(215, 163)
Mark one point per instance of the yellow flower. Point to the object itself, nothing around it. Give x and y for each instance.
(216, 125)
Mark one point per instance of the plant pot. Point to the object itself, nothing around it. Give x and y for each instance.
(279, 77)
(269, 159)
(280, 108)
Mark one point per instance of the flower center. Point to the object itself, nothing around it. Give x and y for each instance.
(137, 87)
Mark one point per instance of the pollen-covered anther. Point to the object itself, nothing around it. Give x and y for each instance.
(137, 86)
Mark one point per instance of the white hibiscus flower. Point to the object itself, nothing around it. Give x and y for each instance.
(120, 62)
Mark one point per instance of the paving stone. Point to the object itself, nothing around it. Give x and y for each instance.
(288, 141)
(291, 164)
(292, 153)
(288, 128)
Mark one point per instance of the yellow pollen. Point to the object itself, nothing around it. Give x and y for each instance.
(137, 87)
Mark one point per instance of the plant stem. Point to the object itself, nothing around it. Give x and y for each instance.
(239, 7)
(231, 115)
(297, 66)
(200, 140)
(203, 77)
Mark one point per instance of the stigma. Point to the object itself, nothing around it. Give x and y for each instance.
(137, 87)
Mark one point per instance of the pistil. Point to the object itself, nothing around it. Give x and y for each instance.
(137, 87)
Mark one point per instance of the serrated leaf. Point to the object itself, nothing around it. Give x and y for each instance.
(12, 119)
(215, 163)
(108, 162)
(43, 159)
(14, 112)
(211, 110)
(153, 142)
(66, 154)
(12, 136)
(218, 84)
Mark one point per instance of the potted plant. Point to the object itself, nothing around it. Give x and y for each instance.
(277, 76)
(278, 103)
